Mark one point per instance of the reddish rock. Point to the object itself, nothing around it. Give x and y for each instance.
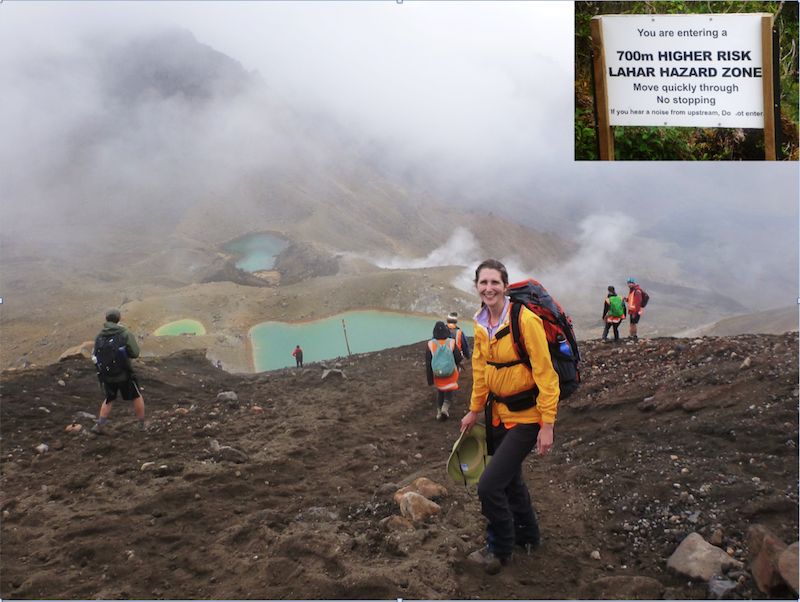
(789, 566)
(396, 523)
(417, 507)
(424, 487)
(763, 551)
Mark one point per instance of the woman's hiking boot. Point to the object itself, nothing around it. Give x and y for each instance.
(491, 562)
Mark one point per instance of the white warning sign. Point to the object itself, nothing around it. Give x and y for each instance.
(684, 70)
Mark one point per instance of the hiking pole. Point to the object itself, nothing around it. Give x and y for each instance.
(345, 338)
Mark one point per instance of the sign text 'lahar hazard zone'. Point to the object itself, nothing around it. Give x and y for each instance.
(684, 70)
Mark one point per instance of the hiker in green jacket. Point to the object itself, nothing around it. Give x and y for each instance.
(613, 313)
(114, 348)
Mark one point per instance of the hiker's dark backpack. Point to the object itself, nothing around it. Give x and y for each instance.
(557, 327)
(112, 354)
(455, 334)
(645, 297)
(443, 362)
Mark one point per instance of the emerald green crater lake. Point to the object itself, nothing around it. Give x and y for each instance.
(274, 342)
(180, 327)
(257, 251)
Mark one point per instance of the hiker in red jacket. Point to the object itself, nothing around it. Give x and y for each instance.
(298, 356)
(634, 308)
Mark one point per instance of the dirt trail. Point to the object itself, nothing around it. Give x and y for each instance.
(301, 516)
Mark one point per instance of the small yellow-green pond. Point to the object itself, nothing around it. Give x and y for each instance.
(180, 327)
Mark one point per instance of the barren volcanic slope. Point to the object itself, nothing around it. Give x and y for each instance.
(298, 511)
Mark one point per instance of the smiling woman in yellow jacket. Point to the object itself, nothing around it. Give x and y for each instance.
(523, 403)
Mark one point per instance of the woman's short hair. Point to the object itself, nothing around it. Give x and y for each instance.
(493, 264)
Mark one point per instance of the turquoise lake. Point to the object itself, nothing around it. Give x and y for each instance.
(273, 342)
(258, 251)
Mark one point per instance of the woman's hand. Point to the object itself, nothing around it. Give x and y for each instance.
(545, 439)
(468, 421)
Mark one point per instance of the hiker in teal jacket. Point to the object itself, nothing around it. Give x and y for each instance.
(613, 313)
(124, 383)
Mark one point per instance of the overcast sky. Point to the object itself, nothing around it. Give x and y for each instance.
(483, 92)
(469, 80)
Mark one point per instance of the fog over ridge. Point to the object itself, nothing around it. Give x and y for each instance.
(484, 125)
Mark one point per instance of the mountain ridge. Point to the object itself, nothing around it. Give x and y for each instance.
(137, 216)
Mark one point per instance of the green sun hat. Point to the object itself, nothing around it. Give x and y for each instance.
(468, 458)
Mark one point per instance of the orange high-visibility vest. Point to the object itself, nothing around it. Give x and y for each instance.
(457, 336)
(445, 383)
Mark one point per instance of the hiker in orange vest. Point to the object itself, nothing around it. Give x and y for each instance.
(613, 313)
(442, 357)
(634, 308)
(298, 356)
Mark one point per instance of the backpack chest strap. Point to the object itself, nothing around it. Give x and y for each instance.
(507, 364)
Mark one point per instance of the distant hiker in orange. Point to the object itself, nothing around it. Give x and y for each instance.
(613, 313)
(298, 356)
(441, 358)
(634, 308)
(114, 348)
(456, 333)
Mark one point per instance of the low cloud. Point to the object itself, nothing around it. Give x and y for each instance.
(460, 249)
(603, 244)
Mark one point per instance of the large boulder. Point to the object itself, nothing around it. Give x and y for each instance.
(79, 352)
(698, 560)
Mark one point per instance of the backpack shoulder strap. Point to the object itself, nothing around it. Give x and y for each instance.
(514, 322)
(434, 344)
